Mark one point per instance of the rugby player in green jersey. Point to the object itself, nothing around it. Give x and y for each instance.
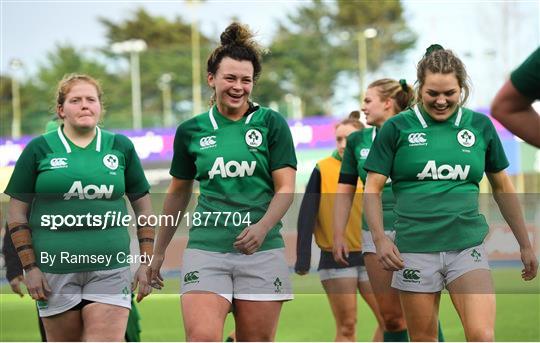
(384, 98)
(70, 181)
(513, 104)
(436, 153)
(243, 157)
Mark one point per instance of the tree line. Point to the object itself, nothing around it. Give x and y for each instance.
(312, 47)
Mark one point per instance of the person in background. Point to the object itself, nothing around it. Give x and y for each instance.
(315, 219)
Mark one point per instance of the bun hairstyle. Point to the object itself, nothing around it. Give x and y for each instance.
(399, 91)
(237, 43)
(439, 60)
(353, 119)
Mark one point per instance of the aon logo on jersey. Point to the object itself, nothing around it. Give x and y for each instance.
(232, 168)
(89, 192)
(444, 172)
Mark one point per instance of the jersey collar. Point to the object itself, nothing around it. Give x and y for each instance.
(253, 107)
(68, 147)
(335, 154)
(422, 120)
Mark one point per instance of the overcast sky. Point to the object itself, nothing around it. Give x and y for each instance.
(491, 37)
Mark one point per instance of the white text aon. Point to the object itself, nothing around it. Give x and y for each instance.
(89, 192)
(444, 172)
(232, 168)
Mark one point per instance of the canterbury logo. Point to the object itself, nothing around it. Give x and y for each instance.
(417, 138)
(191, 277)
(411, 274)
(60, 162)
(207, 142)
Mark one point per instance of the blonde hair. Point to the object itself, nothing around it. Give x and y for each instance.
(399, 91)
(68, 81)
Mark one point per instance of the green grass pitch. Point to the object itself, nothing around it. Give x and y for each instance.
(307, 318)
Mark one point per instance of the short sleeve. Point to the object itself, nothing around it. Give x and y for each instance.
(495, 156)
(381, 155)
(22, 183)
(349, 162)
(526, 78)
(134, 177)
(280, 143)
(183, 163)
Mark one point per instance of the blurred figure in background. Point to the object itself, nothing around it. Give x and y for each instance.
(315, 219)
(384, 98)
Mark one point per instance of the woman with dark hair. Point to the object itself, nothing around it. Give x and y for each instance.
(243, 156)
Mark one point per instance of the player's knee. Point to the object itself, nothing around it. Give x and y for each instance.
(481, 335)
(422, 337)
(202, 335)
(254, 336)
(347, 328)
(101, 337)
(393, 321)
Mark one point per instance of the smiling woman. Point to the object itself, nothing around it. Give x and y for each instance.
(243, 156)
(436, 153)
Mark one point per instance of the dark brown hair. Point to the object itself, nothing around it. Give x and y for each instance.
(237, 43)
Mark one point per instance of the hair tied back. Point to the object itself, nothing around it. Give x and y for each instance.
(432, 48)
(403, 84)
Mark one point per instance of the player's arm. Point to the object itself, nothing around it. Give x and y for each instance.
(386, 250)
(508, 202)
(514, 110)
(145, 234)
(14, 271)
(345, 192)
(252, 237)
(307, 217)
(22, 240)
(174, 205)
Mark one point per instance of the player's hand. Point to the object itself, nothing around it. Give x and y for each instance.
(250, 239)
(153, 274)
(15, 285)
(141, 280)
(37, 285)
(301, 271)
(530, 262)
(389, 255)
(340, 250)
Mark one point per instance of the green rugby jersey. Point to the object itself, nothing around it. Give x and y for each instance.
(526, 78)
(233, 162)
(81, 185)
(436, 168)
(355, 154)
